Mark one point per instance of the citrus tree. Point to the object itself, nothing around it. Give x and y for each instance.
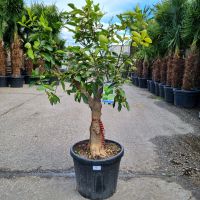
(92, 63)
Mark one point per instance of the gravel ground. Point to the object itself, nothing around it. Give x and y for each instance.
(179, 155)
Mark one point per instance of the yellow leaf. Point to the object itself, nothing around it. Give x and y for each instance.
(144, 33)
(148, 40)
(136, 34)
(136, 39)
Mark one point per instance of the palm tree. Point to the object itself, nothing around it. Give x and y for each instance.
(191, 34)
(169, 15)
(2, 30)
(14, 10)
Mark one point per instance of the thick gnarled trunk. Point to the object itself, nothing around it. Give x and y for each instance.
(2, 60)
(97, 140)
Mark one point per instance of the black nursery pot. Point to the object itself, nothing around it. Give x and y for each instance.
(142, 82)
(3, 81)
(152, 86)
(161, 90)
(169, 94)
(135, 80)
(16, 82)
(96, 179)
(27, 79)
(186, 98)
(148, 85)
(157, 93)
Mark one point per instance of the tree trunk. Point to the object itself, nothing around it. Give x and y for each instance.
(41, 65)
(97, 140)
(192, 65)
(16, 57)
(2, 60)
(169, 70)
(178, 70)
(145, 68)
(29, 66)
(163, 71)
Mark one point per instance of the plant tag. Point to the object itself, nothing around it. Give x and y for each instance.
(96, 168)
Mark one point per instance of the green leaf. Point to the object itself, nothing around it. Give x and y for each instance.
(77, 78)
(71, 5)
(36, 45)
(103, 39)
(60, 52)
(72, 23)
(23, 19)
(41, 88)
(119, 38)
(85, 99)
(30, 53)
(63, 84)
(53, 98)
(119, 107)
(28, 45)
(134, 44)
(48, 47)
(46, 56)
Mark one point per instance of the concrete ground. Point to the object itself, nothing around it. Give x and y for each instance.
(35, 139)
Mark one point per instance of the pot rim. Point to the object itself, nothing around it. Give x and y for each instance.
(186, 91)
(101, 161)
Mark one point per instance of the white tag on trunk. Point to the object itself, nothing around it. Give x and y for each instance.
(96, 168)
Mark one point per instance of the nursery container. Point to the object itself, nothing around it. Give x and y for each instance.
(96, 179)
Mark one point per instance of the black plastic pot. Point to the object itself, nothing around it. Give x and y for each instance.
(148, 85)
(135, 81)
(157, 93)
(16, 82)
(3, 81)
(152, 86)
(186, 98)
(27, 79)
(96, 179)
(199, 99)
(161, 90)
(142, 82)
(169, 94)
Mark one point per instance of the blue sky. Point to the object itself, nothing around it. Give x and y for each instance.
(110, 7)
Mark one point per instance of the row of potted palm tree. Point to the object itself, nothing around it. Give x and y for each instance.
(13, 37)
(174, 55)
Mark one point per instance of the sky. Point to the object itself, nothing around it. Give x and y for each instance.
(110, 7)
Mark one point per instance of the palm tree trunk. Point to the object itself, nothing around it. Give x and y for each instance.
(191, 65)
(169, 70)
(178, 70)
(16, 57)
(29, 66)
(2, 60)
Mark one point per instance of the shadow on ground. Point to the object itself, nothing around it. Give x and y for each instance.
(179, 155)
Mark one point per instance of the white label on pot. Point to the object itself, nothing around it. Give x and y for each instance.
(96, 168)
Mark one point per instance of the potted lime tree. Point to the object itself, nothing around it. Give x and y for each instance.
(91, 64)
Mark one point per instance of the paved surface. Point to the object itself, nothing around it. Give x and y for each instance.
(34, 136)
